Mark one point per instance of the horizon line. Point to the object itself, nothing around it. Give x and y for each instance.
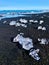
(24, 9)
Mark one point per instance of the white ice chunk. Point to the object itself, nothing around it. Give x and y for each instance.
(4, 22)
(35, 21)
(43, 28)
(20, 24)
(31, 21)
(27, 45)
(23, 20)
(34, 54)
(39, 39)
(44, 41)
(12, 23)
(41, 21)
(17, 24)
(25, 42)
(23, 25)
(21, 33)
(39, 27)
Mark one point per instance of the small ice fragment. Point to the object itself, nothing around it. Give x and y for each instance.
(43, 28)
(35, 21)
(34, 54)
(21, 33)
(12, 23)
(31, 21)
(20, 24)
(39, 27)
(25, 42)
(44, 41)
(23, 20)
(23, 25)
(17, 24)
(4, 22)
(41, 21)
(39, 39)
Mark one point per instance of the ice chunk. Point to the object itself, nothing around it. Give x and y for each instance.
(39, 39)
(17, 24)
(39, 27)
(34, 54)
(41, 21)
(20, 24)
(31, 21)
(4, 22)
(23, 20)
(35, 21)
(43, 28)
(12, 23)
(44, 41)
(21, 33)
(23, 25)
(25, 42)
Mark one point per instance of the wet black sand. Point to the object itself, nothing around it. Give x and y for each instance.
(11, 53)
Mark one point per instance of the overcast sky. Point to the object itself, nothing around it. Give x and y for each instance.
(24, 4)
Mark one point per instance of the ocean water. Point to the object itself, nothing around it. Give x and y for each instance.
(21, 11)
(17, 13)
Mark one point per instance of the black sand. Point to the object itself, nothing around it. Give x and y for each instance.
(11, 54)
